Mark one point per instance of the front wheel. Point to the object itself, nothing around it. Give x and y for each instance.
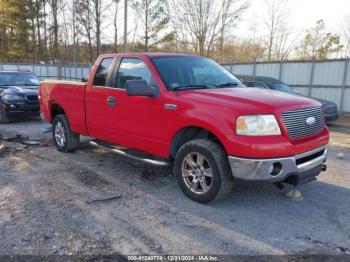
(64, 138)
(202, 171)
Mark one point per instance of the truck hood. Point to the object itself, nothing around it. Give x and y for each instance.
(257, 99)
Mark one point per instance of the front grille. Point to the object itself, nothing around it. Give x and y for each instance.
(296, 122)
(32, 98)
(331, 109)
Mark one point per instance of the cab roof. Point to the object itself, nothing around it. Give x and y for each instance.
(148, 54)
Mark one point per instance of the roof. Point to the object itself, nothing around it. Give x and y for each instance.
(149, 54)
(261, 79)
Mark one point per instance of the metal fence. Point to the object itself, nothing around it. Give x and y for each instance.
(328, 79)
(64, 72)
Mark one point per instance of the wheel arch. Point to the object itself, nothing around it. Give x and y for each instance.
(56, 109)
(191, 132)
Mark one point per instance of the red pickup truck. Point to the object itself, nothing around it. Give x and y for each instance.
(189, 112)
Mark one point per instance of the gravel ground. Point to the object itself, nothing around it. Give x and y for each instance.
(92, 202)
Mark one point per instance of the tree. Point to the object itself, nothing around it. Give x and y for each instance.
(276, 22)
(84, 17)
(16, 27)
(155, 19)
(345, 30)
(97, 19)
(38, 17)
(202, 23)
(54, 5)
(228, 16)
(318, 43)
(115, 25)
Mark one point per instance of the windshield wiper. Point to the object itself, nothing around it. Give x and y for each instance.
(189, 87)
(228, 84)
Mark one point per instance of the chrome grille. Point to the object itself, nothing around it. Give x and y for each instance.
(296, 122)
(32, 98)
(332, 109)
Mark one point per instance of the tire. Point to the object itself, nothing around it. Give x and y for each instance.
(4, 119)
(64, 138)
(203, 186)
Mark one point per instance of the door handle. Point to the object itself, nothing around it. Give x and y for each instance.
(111, 101)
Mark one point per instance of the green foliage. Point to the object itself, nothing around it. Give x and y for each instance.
(155, 18)
(15, 26)
(318, 43)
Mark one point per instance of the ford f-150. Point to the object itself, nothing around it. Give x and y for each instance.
(188, 112)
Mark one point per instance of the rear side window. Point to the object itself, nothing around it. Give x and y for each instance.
(102, 72)
(132, 69)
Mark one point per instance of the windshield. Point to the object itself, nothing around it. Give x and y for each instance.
(283, 88)
(18, 79)
(185, 72)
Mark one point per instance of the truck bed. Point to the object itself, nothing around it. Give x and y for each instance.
(70, 96)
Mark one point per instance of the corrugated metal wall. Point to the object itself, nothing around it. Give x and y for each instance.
(65, 72)
(328, 79)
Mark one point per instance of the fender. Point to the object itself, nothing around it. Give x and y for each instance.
(204, 125)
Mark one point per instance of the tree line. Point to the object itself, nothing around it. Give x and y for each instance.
(77, 31)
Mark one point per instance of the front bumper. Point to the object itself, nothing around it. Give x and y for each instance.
(21, 109)
(278, 169)
(331, 117)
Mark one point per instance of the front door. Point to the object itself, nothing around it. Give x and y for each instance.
(139, 119)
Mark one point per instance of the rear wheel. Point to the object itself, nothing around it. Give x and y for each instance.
(64, 138)
(4, 119)
(203, 171)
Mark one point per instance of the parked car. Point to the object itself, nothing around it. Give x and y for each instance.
(18, 95)
(330, 108)
(190, 113)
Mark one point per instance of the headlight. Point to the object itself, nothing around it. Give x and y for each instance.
(257, 125)
(8, 97)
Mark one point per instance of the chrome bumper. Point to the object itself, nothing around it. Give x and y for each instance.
(277, 169)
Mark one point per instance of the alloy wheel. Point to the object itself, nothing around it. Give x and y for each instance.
(197, 173)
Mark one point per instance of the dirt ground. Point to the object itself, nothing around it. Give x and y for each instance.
(92, 202)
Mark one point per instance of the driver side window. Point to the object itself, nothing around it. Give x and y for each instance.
(102, 72)
(133, 69)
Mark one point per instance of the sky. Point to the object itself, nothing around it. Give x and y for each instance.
(304, 13)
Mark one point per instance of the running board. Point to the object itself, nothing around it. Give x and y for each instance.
(135, 155)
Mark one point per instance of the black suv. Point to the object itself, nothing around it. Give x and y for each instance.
(18, 95)
(330, 108)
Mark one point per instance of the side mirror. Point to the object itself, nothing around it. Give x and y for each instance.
(84, 79)
(139, 88)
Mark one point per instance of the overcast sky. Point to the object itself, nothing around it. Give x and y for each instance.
(304, 13)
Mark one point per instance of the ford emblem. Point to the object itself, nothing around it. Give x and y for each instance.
(310, 121)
